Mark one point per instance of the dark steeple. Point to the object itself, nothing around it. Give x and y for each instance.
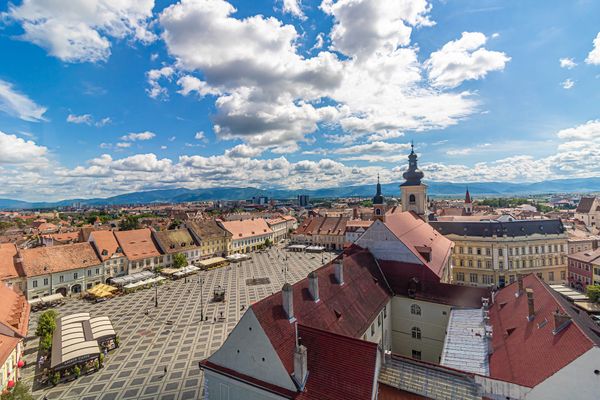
(378, 199)
(413, 175)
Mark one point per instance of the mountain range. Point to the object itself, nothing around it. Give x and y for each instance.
(436, 189)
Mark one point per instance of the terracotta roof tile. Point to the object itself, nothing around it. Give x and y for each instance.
(46, 260)
(247, 228)
(105, 242)
(14, 317)
(137, 244)
(527, 352)
(8, 266)
(175, 241)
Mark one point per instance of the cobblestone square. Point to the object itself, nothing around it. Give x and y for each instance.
(171, 335)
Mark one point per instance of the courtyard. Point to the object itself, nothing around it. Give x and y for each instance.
(172, 336)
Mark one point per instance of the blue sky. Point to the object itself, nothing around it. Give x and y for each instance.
(101, 97)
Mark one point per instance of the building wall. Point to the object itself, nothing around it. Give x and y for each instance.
(575, 381)
(380, 330)
(8, 370)
(432, 322)
(419, 206)
(248, 244)
(581, 274)
(384, 245)
(248, 351)
(212, 246)
(486, 261)
(220, 387)
(42, 285)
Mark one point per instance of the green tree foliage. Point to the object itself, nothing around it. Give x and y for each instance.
(593, 292)
(19, 392)
(175, 223)
(268, 243)
(130, 222)
(179, 260)
(45, 343)
(366, 203)
(46, 323)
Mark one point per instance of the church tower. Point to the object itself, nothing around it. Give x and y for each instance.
(468, 203)
(378, 204)
(413, 192)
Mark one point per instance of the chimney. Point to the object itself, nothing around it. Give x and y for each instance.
(300, 366)
(313, 285)
(561, 321)
(520, 282)
(288, 301)
(530, 304)
(339, 270)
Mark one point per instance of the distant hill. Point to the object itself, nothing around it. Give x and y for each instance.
(181, 195)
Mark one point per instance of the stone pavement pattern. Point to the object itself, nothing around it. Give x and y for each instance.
(171, 336)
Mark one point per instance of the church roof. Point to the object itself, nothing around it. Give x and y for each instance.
(413, 174)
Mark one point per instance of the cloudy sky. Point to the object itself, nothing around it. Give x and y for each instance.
(99, 97)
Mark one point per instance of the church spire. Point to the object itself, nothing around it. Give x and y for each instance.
(378, 199)
(413, 174)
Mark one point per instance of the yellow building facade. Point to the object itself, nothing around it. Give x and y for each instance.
(492, 253)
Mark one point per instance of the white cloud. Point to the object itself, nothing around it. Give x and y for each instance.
(15, 150)
(459, 152)
(362, 28)
(377, 147)
(103, 122)
(123, 145)
(594, 55)
(19, 105)
(191, 84)
(463, 59)
(199, 135)
(588, 131)
(243, 151)
(567, 63)
(293, 7)
(319, 42)
(567, 84)
(80, 30)
(80, 119)
(147, 135)
(154, 76)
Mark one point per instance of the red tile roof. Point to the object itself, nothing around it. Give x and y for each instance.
(8, 266)
(391, 393)
(346, 309)
(333, 375)
(48, 260)
(105, 243)
(137, 244)
(14, 317)
(417, 235)
(247, 228)
(527, 352)
(323, 226)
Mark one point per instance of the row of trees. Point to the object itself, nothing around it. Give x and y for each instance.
(45, 329)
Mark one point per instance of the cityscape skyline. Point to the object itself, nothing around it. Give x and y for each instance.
(290, 94)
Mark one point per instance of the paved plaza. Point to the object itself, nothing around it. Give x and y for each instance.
(171, 335)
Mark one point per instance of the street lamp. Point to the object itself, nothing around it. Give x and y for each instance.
(156, 295)
(201, 282)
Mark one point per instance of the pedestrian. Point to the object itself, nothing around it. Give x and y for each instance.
(165, 370)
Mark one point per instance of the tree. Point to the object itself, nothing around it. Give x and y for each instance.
(174, 224)
(19, 392)
(45, 343)
(593, 292)
(268, 243)
(46, 323)
(179, 260)
(130, 222)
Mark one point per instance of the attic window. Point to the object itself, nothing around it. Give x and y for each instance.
(104, 252)
(182, 244)
(509, 331)
(337, 314)
(502, 305)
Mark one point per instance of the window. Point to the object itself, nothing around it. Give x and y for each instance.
(415, 309)
(460, 250)
(385, 311)
(412, 199)
(416, 333)
(97, 271)
(89, 272)
(469, 250)
(478, 251)
(470, 263)
(551, 275)
(500, 252)
(473, 278)
(478, 263)
(501, 264)
(61, 279)
(460, 276)
(379, 320)
(416, 354)
(34, 284)
(75, 275)
(45, 281)
(488, 252)
(488, 264)
(372, 329)
(488, 279)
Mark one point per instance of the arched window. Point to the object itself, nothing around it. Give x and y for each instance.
(415, 309)
(416, 333)
(378, 211)
(412, 199)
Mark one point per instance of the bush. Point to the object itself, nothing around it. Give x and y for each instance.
(593, 292)
(117, 341)
(77, 371)
(45, 343)
(46, 323)
(19, 392)
(101, 359)
(55, 378)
